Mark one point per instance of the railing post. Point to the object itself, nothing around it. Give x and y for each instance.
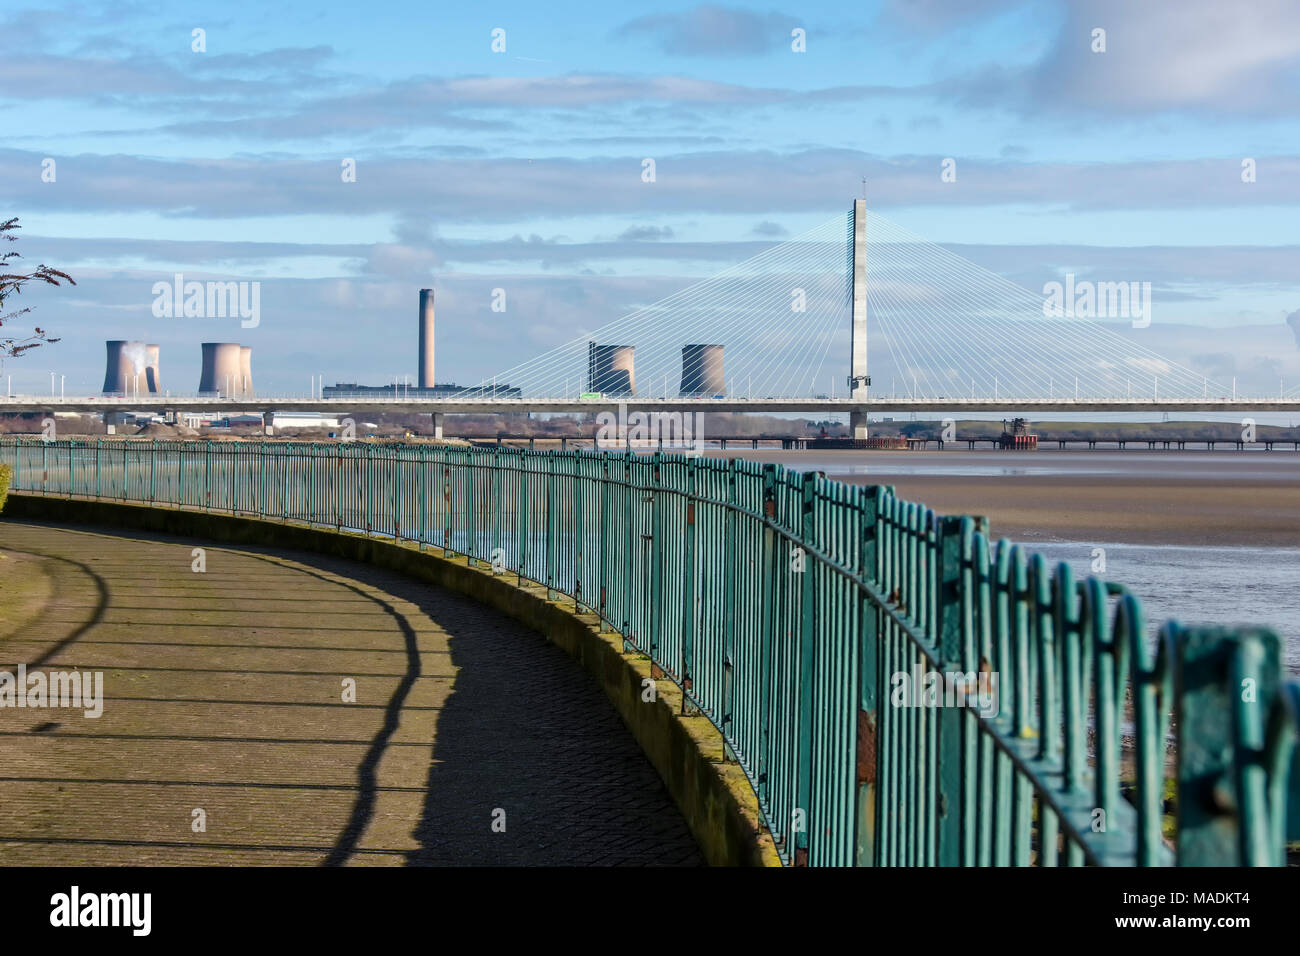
(234, 477)
(286, 462)
(338, 487)
(807, 626)
(951, 638)
(72, 456)
(207, 468)
(420, 497)
(552, 523)
(446, 501)
(629, 547)
(657, 556)
(868, 664)
(368, 503)
(153, 469)
(688, 602)
(522, 458)
(497, 544)
(1225, 686)
(471, 519)
(311, 452)
(606, 518)
(577, 472)
(98, 444)
(730, 561)
(767, 575)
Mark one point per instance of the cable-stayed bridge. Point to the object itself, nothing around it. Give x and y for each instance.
(855, 315)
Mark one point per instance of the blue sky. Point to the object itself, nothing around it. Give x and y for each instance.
(522, 169)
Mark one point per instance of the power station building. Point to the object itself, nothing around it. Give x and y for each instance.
(425, 387)
(131, 368)
(611, 369)
(151, 369)
(425, 379)
(702, 370)
(227, 370)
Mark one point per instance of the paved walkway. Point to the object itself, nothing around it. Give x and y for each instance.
(223, 693)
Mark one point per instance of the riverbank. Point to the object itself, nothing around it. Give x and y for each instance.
(1225, 499)
(1224, 513)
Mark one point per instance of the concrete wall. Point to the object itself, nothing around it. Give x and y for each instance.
(714, 797)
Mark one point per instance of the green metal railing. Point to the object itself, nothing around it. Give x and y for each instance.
(898, 689)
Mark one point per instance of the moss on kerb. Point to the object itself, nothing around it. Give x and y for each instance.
(714, 797)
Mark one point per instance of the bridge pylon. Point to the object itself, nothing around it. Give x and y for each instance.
(858, 378)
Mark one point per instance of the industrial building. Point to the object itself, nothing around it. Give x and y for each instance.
(226, 370)
(702, 370)
(426, 388)
(151, 369)
(425, 378)
(611, 369)
(127, 370)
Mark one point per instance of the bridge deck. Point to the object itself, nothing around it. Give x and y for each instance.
(223, 692)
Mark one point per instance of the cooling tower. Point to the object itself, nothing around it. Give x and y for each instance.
(125, 368)
(151, 369)
(245, 387)
(426, 338)
(702, 370)
(610, 369)
(222, 371)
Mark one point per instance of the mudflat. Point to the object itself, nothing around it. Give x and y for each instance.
(1223, 498)
(1230, 511)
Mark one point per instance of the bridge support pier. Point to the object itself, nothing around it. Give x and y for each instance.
(437, 425)
(858, 424)
(268, 423)
(112, 420)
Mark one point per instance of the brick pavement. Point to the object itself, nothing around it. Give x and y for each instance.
(223, 691)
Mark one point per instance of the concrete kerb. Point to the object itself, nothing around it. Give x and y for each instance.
(714, 796)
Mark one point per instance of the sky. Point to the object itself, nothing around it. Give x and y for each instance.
(131, 151)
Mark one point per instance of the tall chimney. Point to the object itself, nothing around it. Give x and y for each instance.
(426, 338)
